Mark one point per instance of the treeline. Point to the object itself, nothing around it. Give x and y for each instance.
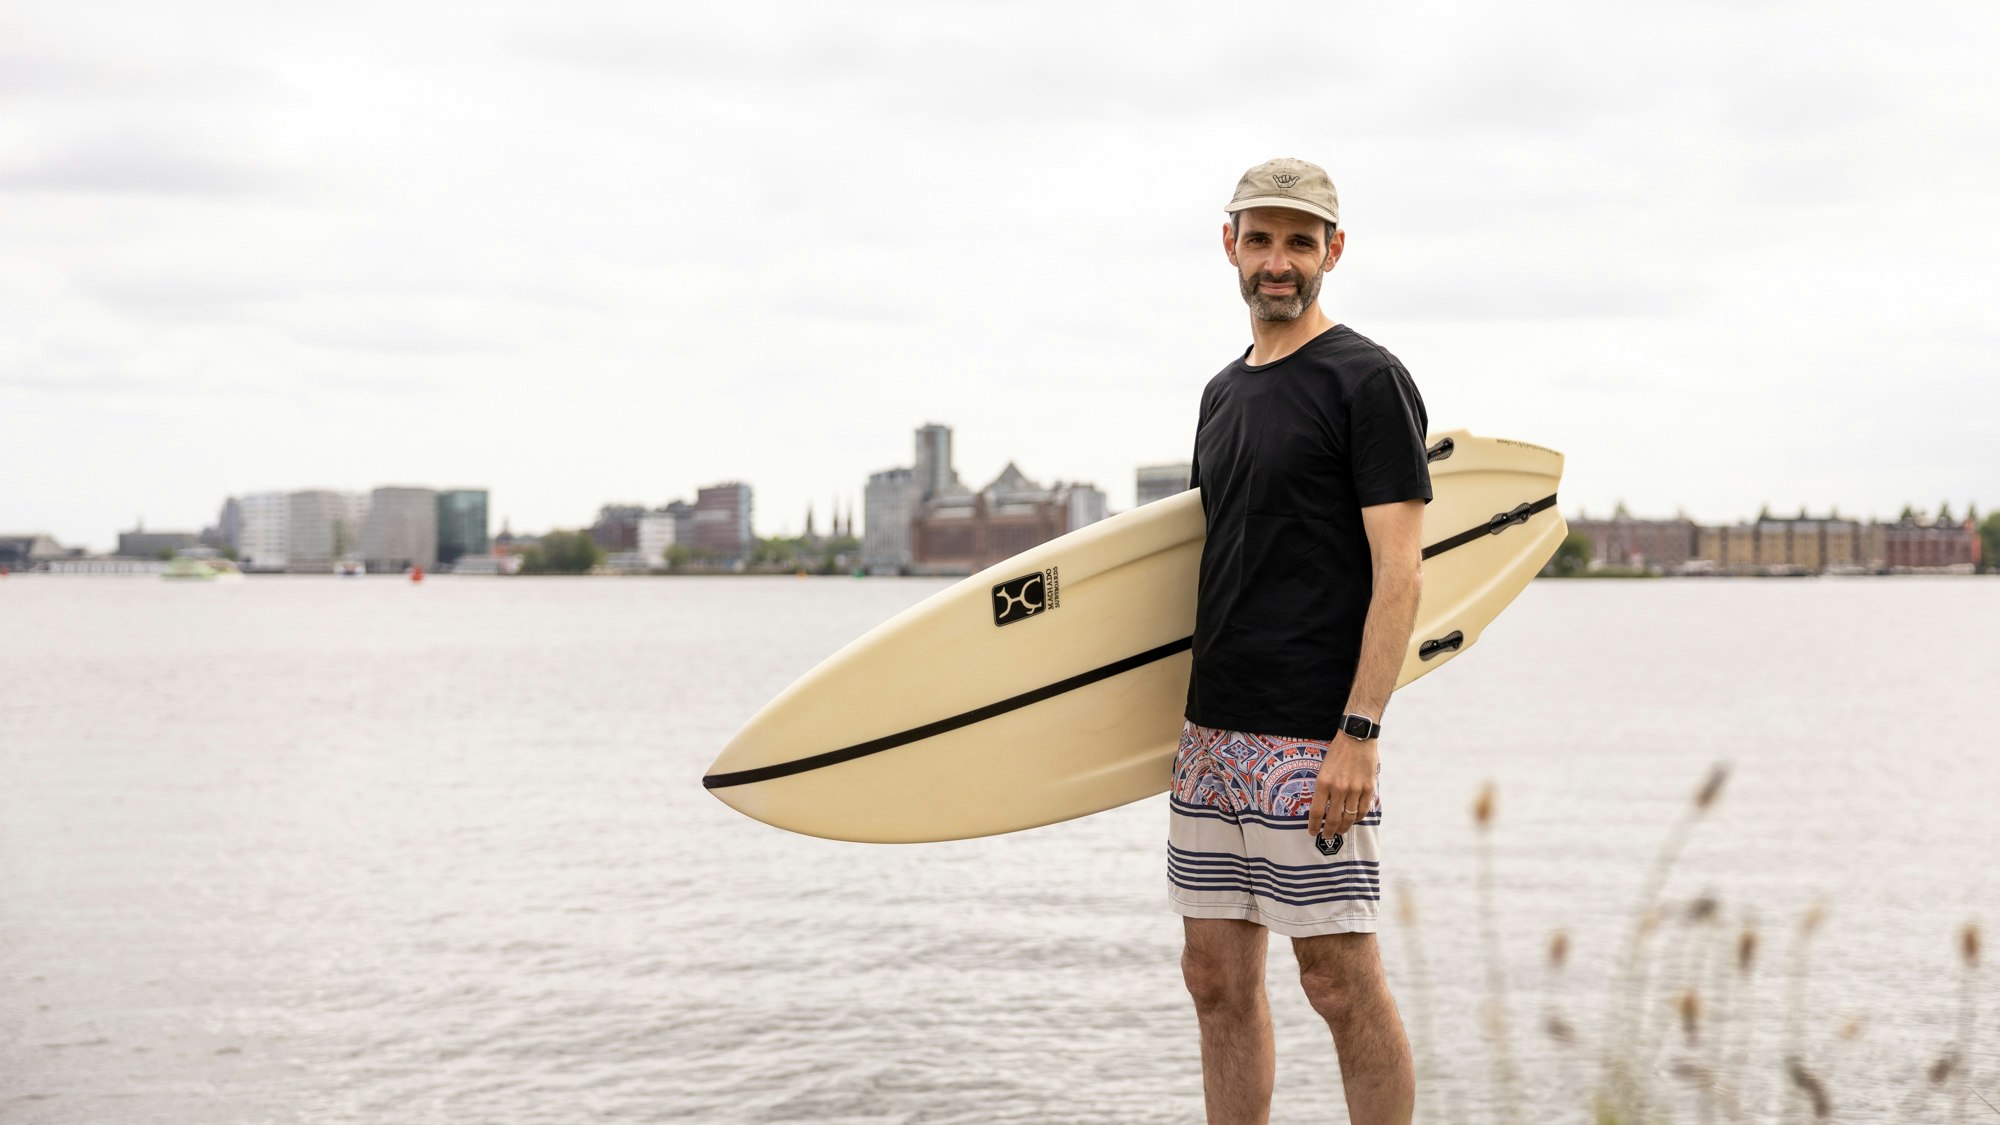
(575, 552)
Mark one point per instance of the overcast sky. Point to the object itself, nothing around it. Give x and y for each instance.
(1721, 255)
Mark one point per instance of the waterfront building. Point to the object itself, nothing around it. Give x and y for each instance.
(888, 507)
(1947, 546)
(935, 475)
(1664, 546)
(617, 527)
(30, 551)
(962, 531)
(143, 544)
(923, 520)
(322, 527)
(659, 530)
(263, 540)
(722, 521)
(461, 525)
(1157, 482)
(401, 531)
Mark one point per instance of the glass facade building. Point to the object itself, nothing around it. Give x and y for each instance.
(461, 524)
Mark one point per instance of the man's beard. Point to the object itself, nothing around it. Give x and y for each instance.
(1264, 306)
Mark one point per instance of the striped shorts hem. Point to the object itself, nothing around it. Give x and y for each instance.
(1237, 844)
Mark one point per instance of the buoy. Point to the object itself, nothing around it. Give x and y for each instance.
(416, 574)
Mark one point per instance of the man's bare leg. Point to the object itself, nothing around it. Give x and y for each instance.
(1342, 976)
(1223, 964)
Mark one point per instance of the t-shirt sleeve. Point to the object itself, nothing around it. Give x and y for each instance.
(1385, 439)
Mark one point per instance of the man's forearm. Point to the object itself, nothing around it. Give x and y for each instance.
(1385, 637)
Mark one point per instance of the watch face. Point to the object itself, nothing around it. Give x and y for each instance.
(1357, 727)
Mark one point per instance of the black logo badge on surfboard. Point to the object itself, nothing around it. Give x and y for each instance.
(1018, 599)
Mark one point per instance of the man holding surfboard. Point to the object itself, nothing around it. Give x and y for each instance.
(1310, 458)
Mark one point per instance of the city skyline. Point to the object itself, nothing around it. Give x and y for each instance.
(562, 254)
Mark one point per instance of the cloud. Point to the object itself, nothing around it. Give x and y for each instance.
(187, 296)
(146, 165)
(45, 75)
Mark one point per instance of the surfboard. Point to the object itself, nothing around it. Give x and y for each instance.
(1051, 686)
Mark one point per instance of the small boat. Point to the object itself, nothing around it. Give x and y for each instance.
(351, 568)
(190, 568)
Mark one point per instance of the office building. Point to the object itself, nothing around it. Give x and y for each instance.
(401, 531)
(722, 522)
(888, 507)
(1157, 482)
(461, 524)
(322, 527)
(661, 528)
(263, 537)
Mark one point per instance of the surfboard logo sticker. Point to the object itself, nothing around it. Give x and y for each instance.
(1018, 599)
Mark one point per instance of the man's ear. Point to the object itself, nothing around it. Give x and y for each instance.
(1229, 242)
(1334, 247)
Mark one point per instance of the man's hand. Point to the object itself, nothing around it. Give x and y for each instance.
(1344, 791)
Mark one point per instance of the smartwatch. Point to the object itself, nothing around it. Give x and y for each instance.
(1359, 727)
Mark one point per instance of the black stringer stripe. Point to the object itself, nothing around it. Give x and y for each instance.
(1030, 698)
(1499, 523)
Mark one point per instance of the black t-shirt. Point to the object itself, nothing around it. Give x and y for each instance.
(1286, 455)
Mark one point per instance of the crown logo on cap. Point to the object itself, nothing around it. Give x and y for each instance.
(1285, 180)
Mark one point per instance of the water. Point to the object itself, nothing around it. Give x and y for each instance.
(361, 851)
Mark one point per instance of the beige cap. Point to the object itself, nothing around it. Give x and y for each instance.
(1285, 182)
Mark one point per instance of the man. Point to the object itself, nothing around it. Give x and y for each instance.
(1310, 459)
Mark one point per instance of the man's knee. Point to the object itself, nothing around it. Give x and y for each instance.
(1330, 990)
(1338, 974)
(1220, 983)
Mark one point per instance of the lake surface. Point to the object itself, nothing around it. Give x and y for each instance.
(324, 850)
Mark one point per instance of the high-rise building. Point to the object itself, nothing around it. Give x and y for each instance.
(322, 527)
(722, 521)
(402, 530)
(461, 524)
(1157, 482)
(934, 473)
(888, 507)
(262, 540)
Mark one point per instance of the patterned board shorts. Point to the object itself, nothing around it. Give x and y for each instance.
(1237, 845)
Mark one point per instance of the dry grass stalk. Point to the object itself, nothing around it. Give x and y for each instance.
(1505, 1077)
(1809, 1084)
(1624, 1070)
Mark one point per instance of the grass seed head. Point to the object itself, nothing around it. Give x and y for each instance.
(1945, 1066)
(1560, 1030)
(1851, 1029)
(1968, 944)
(1711, 788)
(1703, 909)
(1815, 916)
(1690, 1010)
(1406, 906)
(1482, 807)
(1558, 949)
(1746, 950)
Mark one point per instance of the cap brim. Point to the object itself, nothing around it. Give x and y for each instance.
(1284, 201)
